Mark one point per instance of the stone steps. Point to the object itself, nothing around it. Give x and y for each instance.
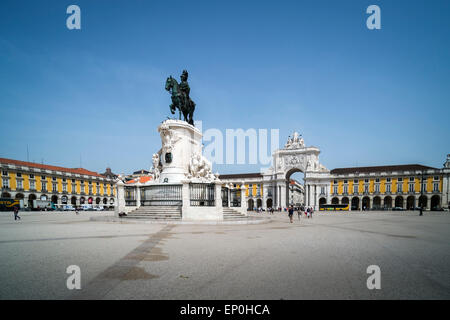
(231, 214)
(156, 213)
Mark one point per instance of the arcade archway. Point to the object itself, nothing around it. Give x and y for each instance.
(355, 203)
(435, 202)
(295, 186)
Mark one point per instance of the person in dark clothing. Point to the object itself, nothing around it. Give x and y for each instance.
(16, 213)
(291, 213)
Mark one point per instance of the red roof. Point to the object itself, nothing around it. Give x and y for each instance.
(142, 179)
(49, 167)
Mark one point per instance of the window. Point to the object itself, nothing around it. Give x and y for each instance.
(335, 190)
(388, 188)
(345, 181)
(44, 186)
(64, 179)
(90, 182)
(54, 178)
(5, 173)
(32, 185)
(73, 180)
(335, 181)
(399, 186)
(411, 187)
(424, 187)
(345, 189)
(54, 187)
(400, 179)
(388, 180)
(355, 181)
(377, 180)
(436, 178)
(411, 179)
(31, 176)
(19, 175)
(435, 186)
(5, 183)
(377, 187)
(90, 188)
(366, 180)
(64, 187)
(322, 190)
(98, 189)
(19, 184)
(355, 189)
(43, 177)
(366, 188)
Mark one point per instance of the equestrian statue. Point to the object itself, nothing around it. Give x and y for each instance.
(180, 97)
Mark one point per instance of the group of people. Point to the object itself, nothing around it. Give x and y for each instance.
(308, 211)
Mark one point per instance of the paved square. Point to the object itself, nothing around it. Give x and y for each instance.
(321, 258)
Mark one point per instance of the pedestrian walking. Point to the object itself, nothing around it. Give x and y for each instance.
(311, 212)
(16, 213)
(299, 213)
(291, 213)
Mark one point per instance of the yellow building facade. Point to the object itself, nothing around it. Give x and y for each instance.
(387, 187)
(30, 181)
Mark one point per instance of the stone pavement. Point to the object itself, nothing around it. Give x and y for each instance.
(321, 258)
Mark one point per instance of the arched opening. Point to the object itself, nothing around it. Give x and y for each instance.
(19, 196)
(410, 203)
(399, 202)
(251, 204)
(259, 203)
(73, 201)
(105, 201)
(423, 201)
(54, 199)
(6, 195)
(366, 203)
(64, 199)
(388, 202)
(295, 187)
(90, 200)
(344, 200)
(355, 203)
(335, 200)
(376, 203)
(322, 201)
(97, 201)
(82, 200)
(435, 202)
(31, 197)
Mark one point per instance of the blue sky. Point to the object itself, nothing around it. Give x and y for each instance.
(364, 97)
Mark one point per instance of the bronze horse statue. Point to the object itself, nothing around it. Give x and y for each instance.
(180, 100)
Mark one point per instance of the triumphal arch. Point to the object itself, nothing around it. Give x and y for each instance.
(295, 156)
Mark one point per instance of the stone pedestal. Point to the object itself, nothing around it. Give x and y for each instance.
(120, 199)
(180, 141)
(193, 213)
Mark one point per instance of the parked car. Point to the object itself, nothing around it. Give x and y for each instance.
(99, 208)
(68, 207)
(397, 209)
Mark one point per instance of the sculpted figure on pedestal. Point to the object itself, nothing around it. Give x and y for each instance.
(295, 142)
(180, 97)
(168, 138)
(200, 168)
(156, 166)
